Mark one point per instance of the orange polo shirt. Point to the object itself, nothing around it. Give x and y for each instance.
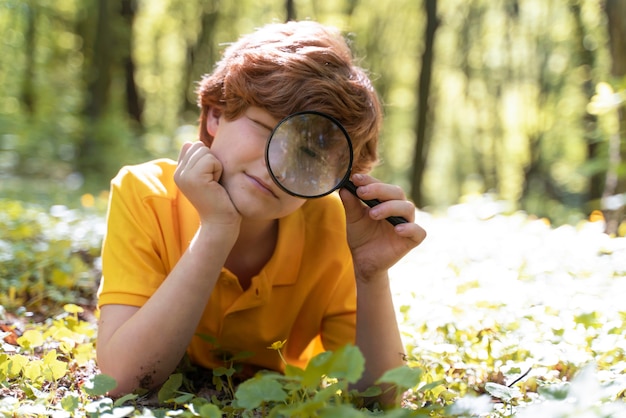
(305, 294)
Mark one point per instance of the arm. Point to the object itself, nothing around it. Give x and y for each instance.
(376, 246)
(140, 347)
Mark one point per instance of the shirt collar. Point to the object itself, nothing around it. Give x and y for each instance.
(284, 265)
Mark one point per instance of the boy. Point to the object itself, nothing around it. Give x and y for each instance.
(210, 247)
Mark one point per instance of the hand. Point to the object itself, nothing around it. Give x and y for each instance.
(376, 245)
(197, 176)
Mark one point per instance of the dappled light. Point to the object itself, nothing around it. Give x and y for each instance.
(512, 100)
(504, 122)
(489, 298)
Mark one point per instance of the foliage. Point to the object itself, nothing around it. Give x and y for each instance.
(502, 315)
(47, 258)
(511, 81)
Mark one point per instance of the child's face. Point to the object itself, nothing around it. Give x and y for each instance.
(240, 146)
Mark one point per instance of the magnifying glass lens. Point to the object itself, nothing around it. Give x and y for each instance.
(309, 154)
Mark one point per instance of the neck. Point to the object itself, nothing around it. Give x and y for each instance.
(253, 249)
(253, 233)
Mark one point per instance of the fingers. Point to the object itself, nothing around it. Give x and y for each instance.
(197, 167)
(393, 201)
(198, 177)
(412, 231)
(183, 150)
(370, 188)
(191, 153)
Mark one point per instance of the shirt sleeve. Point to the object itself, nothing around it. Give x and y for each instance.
(132, 252)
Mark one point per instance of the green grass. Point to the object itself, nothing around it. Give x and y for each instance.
(501, 315)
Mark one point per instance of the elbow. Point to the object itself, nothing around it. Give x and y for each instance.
(124, 383)
(128, 379)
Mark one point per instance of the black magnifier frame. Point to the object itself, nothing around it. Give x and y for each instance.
(286, 156)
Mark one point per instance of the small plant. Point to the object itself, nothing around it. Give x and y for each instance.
(47, 258)
(481, 340)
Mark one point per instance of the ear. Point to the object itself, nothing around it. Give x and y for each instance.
(213, 120)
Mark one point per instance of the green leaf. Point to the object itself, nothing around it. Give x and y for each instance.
(33, 370)
(209, 411)
(316, 369)
(404, 377)
(431, 385)
(54, 369)
(556, 391)
(347, 363)
(31, 339)
(589, 320)
(321, 359)
(223, 371)
(294, 371)
(343, 411)
(258, 390)
(324, 394)
(183, 399)
(126, 398)
(70, 403)
(73, 309)
(504, 393)
(169, 390)
(371, 392)
(99, 385)
(15, 365)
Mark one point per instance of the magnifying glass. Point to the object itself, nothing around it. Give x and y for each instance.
(309, 154)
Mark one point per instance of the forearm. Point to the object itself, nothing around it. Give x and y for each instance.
(145, 348)
(377, 333)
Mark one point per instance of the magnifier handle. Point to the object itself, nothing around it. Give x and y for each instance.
(393, 220)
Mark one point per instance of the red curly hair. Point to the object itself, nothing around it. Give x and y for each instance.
(291, 67)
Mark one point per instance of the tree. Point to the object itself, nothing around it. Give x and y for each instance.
(201, 53)
(28, 91)
(106, 30)
(134, 102)
(615, 184)
(290, 9)
(423, 108)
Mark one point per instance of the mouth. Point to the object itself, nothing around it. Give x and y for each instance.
(262, 185)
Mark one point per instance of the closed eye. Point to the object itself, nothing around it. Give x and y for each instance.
(264, 127)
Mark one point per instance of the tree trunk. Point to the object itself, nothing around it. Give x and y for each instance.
(99, 69)
(616, 185)
(98, 75)
(290, 9)
(616, 14)
(134, 102)
(28, 91)
(587, 60)
(201, 55)
(423, 107)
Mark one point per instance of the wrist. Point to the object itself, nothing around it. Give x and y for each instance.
(378, 281)
(215, 237)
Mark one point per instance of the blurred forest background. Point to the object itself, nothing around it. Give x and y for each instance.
(521, 100)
